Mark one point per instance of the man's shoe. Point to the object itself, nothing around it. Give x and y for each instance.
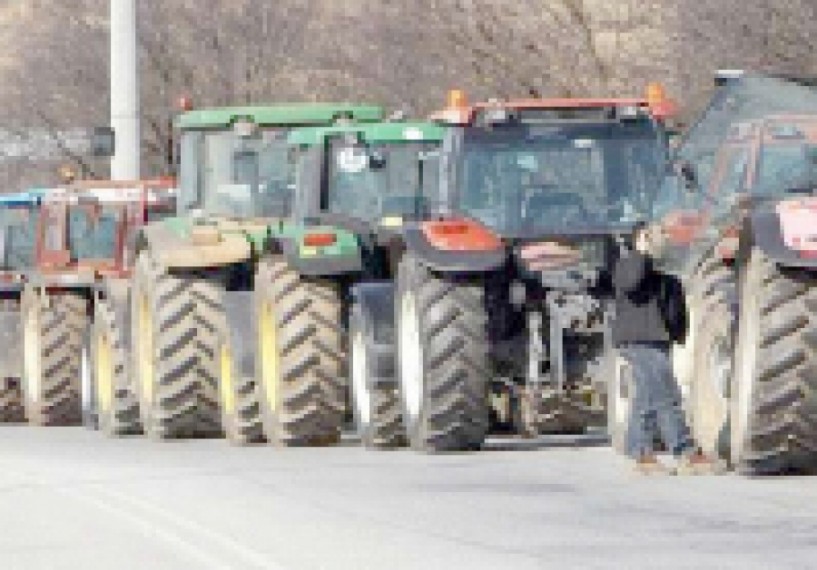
(699, 464)
(649, 465)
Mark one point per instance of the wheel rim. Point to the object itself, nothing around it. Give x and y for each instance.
(32, 354)
(145, 351)
(720, 370)
(360, 375)
(226, 384)
(747, 361)
(411, 357)
(270, 365)
(86, 378)
(683, 355)
(622, 407)
(104, 373)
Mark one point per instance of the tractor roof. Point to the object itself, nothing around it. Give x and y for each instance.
(285, 115)
(394, 132)
(459, 112)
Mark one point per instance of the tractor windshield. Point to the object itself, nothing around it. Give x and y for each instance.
(92, 233)
(524, 180)
(18, 239)
(226, 173)
(371, 182)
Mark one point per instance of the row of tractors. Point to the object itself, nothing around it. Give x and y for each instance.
(431, 281)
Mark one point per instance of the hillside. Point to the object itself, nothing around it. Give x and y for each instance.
(53, 56)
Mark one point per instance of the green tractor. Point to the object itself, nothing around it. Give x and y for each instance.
(195, 274)
(328, 278)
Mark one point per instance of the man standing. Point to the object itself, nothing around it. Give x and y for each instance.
(650, 316)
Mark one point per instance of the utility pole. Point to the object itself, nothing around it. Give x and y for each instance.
(124, 91)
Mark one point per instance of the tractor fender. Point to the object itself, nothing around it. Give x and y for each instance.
(201, 247)
(763, 229)
(465, 247)
(312, 262)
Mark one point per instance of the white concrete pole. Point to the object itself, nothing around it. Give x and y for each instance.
(124, 91)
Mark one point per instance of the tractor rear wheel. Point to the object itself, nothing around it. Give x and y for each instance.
(174, 399)
(300, 367)
(116, 407)
(54, 325)
(375, 398)
(442, 358)
(713, 304)
(773, 408)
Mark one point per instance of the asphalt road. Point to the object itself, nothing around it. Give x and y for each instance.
(74, 499)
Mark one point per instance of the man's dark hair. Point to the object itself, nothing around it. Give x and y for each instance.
(638, 229)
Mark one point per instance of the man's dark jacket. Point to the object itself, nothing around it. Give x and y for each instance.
(650, 305)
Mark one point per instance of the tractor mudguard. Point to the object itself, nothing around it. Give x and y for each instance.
(239, 308)
(763, 230)
(473, 257)
(376, 301)
(313, 263)
(175, 245)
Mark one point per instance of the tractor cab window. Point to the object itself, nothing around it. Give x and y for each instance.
(19, 238)
(235, 174)
(92, 233)
(783, 168)
(521, 179)
(372, 182)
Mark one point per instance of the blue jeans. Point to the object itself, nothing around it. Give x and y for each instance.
(655, 403)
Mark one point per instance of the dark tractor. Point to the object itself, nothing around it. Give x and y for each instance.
(503, 300)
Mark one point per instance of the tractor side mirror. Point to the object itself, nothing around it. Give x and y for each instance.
(103, 142)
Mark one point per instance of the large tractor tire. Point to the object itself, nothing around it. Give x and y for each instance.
(713, 304)
(168, 343)
(773, 404)
(115, 404)
(375, 398)
(442, 358)
(54, 325)
(300, 366)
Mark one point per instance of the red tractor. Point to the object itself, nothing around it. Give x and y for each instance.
(503, 299)
(83, 243)
(741, 236)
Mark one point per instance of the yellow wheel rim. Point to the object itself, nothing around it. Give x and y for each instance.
(145, 352)
(104, 380)
(32, 353)
(268, 344)
(227, 395)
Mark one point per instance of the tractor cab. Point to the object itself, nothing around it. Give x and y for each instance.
(754, 146)
(369, 177)
(90, 226)
(234, 162)
(568, 171)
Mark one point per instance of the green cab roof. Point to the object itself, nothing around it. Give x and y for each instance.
(285, 115)
(396, 132)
